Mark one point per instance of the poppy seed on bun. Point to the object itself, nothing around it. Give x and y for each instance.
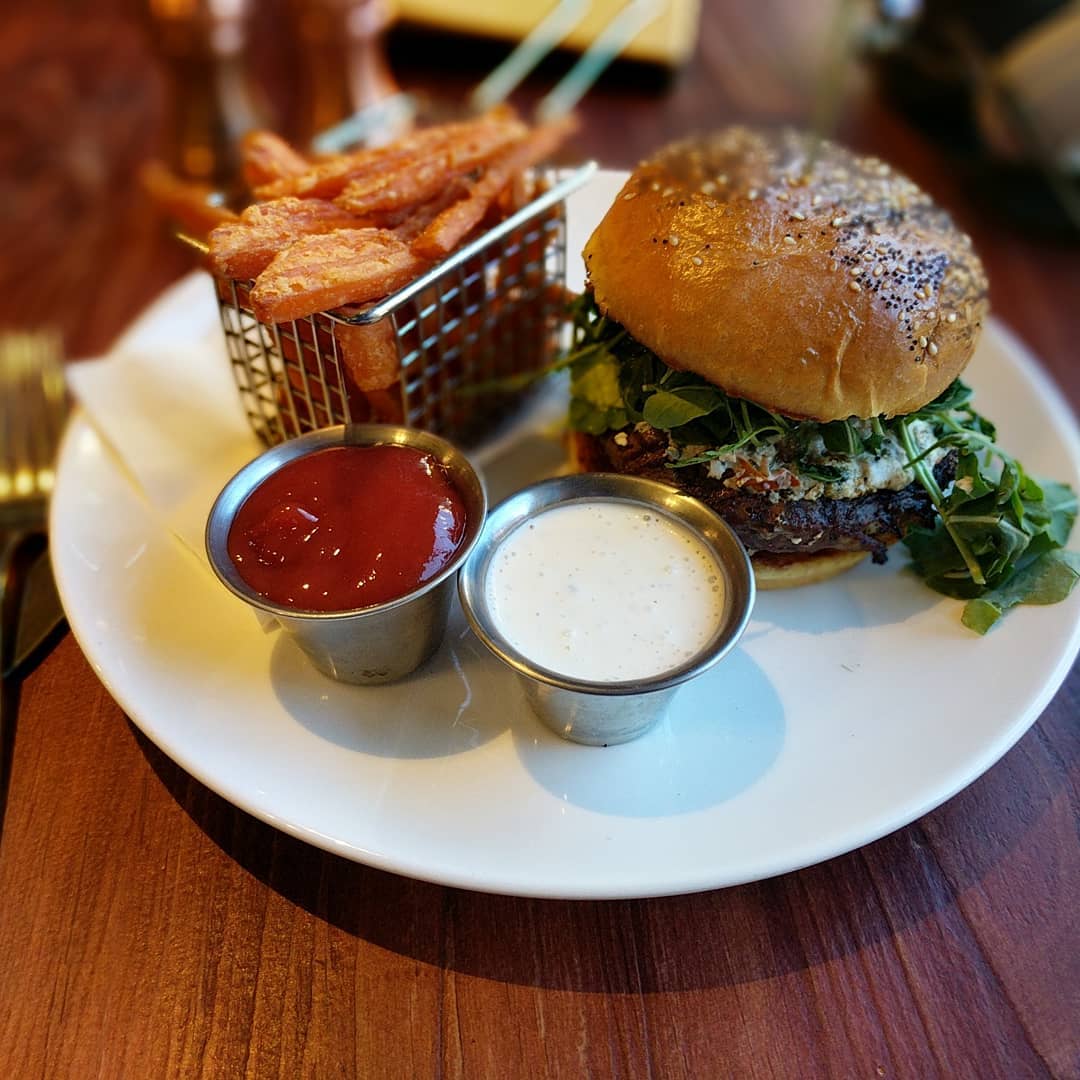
(819, 285)
(824, 294)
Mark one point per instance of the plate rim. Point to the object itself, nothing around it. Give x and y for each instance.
(826, 847)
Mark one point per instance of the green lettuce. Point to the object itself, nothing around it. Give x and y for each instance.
(999, 534)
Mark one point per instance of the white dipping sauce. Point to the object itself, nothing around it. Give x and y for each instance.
(607, 591)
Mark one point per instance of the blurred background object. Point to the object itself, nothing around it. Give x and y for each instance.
(387, 117)
(998, 86)
(343, 60)
(82, 106)
(33, 410)
(337, 77)
(203, 45)
(1042, 69)
(90, 104)
(669, 40)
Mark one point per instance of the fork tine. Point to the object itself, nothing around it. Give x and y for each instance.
(33, 406)
(22, 476)
(53, 388)
(34, 437)
(7, 390)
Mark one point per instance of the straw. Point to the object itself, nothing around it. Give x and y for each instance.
(542, 39)
(631, 19)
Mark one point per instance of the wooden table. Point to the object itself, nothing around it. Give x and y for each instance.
(149, 929)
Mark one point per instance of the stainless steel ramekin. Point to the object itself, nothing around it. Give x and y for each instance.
(604, 713)
(382, 642)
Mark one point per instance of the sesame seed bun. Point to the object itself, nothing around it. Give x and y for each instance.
(820, 288)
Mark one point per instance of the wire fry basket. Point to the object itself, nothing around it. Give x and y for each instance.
(447, 347)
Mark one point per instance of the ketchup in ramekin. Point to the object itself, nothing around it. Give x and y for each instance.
(351, 539)
(348, 526)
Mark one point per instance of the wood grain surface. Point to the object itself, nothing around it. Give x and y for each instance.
(149, 929)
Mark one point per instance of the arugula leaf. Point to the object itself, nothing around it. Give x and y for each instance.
(595, 421)
(1059, 505)
(876, 440)
(825, 474)
(668, 409)
(690, 408)
(993, 529)
(841, 437)
(999, 532)
(1047, 580)
(955, 396)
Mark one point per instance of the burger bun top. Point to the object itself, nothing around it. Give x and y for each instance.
(814, 282)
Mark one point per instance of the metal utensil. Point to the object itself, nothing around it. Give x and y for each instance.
(463, 331)
(33, 408)
(41, 613)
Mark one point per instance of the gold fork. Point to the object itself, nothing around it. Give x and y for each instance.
(33, 408)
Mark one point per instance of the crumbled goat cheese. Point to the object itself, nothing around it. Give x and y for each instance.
(863, 473)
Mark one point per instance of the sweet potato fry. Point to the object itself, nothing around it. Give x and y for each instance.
(184, 201)
(369, 353)
(327, 179)
(412, 224)
(457, 221)
(319, 273)
(414, 182)
(385, 405)
(421, 179)
(243, 249)
(267, 157)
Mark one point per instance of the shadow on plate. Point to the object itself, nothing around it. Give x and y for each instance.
(868, 596)
(453, 703)
(721, 735)
(534, 457)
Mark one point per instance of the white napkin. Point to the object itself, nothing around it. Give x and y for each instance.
(165, 403)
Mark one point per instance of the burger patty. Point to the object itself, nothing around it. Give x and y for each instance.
(782, 526)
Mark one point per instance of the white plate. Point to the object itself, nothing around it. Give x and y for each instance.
(850, 709)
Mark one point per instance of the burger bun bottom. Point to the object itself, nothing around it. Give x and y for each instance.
(792, 571)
